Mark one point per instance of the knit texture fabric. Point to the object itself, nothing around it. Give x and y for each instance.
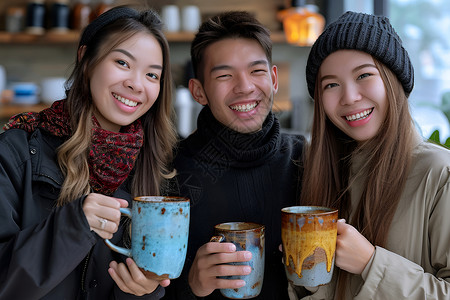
(229, 148)
(371, 34)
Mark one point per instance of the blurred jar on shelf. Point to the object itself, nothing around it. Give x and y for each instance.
(170, 15)
(2, 78)
(25, 93)
(52, 89)
(59, 15)
(15, 17)
(35, 17)
(190, 18)
(80, 14)
(302, 23)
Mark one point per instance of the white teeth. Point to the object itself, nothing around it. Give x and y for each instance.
(245, 107)
(359, 116)
(125, 101)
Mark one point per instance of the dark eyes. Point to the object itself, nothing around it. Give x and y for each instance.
(224, 76)
(125, 64)
(259, 71)
(256, 71)
(122, 63)
(330, 85)
(363, 75)
(153, 75)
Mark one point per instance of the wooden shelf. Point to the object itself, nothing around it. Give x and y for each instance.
(8, 110)
(50, 37)
(72, 37)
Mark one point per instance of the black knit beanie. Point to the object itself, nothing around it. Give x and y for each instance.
(104, 19)
(371, 34)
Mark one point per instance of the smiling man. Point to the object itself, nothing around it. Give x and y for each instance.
(238, 83)
(237, 166)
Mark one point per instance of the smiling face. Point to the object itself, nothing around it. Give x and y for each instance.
(239, 83)
(126, 83)
(353, 93)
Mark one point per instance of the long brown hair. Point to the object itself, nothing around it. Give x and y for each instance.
(327, 178)
(152, 165)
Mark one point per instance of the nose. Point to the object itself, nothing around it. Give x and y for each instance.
(350, 95)
(244, 84)
(134, 82)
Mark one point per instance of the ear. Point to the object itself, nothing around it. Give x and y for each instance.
(197, 91)
(275, 79)
(81, 52)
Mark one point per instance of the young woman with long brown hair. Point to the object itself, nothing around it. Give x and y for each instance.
(66, 171)
(392, 188)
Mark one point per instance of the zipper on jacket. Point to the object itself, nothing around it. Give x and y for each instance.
(51, 178)
(83, 274)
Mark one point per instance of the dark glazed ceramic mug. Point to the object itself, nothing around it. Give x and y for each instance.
(246, 237)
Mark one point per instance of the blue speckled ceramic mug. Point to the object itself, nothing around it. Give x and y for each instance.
(159, 235)
(246, 237)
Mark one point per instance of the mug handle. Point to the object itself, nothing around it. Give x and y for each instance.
(121, 250)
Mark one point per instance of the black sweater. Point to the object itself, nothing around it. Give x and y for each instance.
(230, 176)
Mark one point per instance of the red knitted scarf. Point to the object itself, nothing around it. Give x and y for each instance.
(111, 155)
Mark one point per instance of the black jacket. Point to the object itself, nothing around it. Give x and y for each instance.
(48, 252)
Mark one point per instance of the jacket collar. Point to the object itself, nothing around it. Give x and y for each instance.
(43, 157)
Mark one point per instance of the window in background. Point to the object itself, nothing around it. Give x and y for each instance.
(424, 27)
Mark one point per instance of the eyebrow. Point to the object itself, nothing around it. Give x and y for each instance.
(353, 71)
(364, 66)
(125, 52)
(228, 67)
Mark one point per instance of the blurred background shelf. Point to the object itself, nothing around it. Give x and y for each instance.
(8, 110)
(31, 58)
(72, 37)
(49, 37)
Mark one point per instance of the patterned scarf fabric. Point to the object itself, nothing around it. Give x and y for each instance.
(111, 155)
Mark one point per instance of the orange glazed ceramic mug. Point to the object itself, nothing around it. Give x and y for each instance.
(309, 236)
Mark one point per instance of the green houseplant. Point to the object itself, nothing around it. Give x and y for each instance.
(435, 139)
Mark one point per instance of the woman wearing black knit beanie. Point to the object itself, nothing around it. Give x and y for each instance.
(66, 171)
(365, 158)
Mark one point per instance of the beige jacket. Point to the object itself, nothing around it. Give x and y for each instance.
(416, 262)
